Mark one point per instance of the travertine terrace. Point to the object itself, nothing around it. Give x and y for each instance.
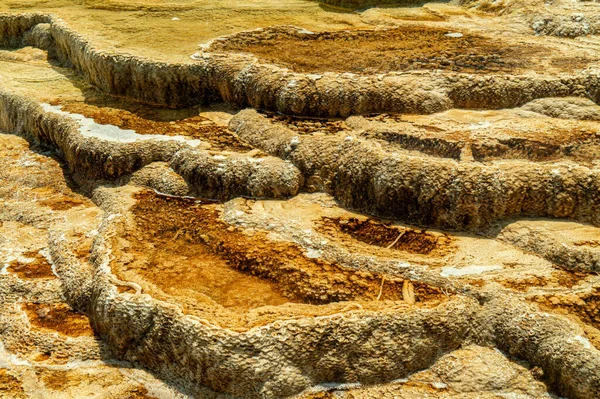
(299, 199)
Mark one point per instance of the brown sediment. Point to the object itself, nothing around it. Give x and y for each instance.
(569, 278)
(369, 52)
(378, 233)
(61, 204)
(38, 268)
(58, 317)
(77, 381)
(203, 295)
(309, 125)
(58, 380)
(525, 284)
(182, 248)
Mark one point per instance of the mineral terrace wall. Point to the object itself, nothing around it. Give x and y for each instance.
(247, 270)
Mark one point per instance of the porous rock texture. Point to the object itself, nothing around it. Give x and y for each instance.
(565, 108)
(429, 191)
(241, 80)
(171, 267)
(210, 176)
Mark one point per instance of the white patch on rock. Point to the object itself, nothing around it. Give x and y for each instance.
(480, 125)
(454, 34)
(45, 252)
(465, 271)
(335, 386)
(586, 342)
(199, 56)
(4, 268)
(8, 359)
(89, 128)
(313, 253)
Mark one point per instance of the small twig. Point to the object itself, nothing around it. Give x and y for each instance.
(177, 234)
(381, 288)
(396, 240)
(408, 292)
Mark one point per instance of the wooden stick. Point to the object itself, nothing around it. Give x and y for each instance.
(408, 292)
(381, 288)
(396, 240)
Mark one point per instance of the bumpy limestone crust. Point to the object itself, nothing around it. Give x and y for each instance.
(250, 364)
(565, 108)
(203, 356)
(230, 176)
(46, 349)
(429, 191)
(90, 156)
(287, 357)
(160, 177)
(363, 3)
(558, 248)
(39, 36)
(13, 28)
(573, 25)
(547, 342)
(241, 80)
(213, 177)
(472, 372)
(311, 351)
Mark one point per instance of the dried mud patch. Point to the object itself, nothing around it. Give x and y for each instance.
(308, 125)
(375, 51)
(39, 267)
(193, 127)
(180, 251)
(58, 317)
(381, 234)
(62, 203)
(74, 380)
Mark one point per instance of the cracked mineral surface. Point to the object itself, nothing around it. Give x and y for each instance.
(300, 199)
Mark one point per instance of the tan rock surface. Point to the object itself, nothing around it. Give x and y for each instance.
(264, 200)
